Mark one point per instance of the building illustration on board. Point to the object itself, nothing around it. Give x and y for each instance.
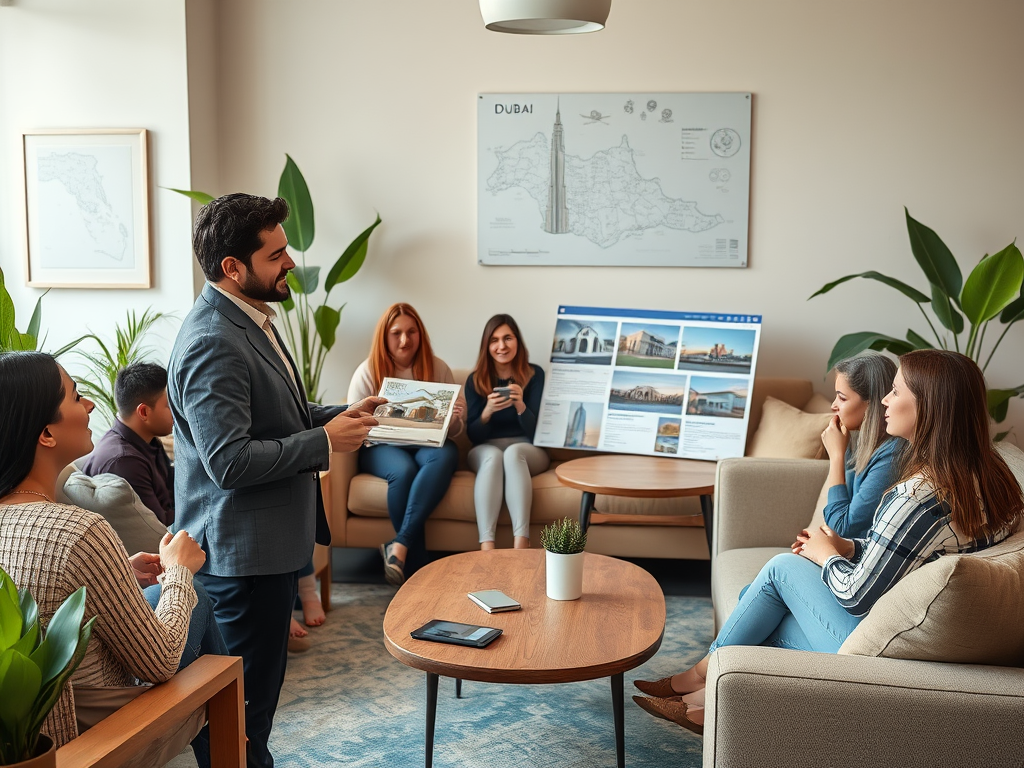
(557, 220)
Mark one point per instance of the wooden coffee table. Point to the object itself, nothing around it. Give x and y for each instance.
(617, 625)
(642, 477)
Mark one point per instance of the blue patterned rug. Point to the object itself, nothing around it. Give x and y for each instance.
(347, 701)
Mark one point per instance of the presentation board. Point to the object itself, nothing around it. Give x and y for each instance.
(649, 382)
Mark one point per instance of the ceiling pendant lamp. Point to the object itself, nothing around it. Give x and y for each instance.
(545, 17)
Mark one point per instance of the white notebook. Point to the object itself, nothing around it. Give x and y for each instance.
(494, 601)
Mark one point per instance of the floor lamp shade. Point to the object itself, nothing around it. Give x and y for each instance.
(545, 17)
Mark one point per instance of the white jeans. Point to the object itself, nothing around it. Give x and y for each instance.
(507, 464)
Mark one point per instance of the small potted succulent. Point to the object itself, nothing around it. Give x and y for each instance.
(34, 666)
(564, 541)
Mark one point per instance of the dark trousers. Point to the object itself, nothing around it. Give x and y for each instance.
(254, 613)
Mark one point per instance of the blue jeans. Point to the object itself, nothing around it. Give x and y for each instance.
(418, 479)
(203, 633)
(788, 606)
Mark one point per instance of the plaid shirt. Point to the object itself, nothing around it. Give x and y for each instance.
(912, 527)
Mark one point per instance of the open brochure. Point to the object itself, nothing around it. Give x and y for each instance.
(416, 412)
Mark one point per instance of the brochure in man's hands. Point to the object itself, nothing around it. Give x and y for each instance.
(416, 413)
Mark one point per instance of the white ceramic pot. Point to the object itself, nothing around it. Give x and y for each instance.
(564, 575)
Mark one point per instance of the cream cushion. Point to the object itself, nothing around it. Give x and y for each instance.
(786, 432)
(112, 497)
(967, 609)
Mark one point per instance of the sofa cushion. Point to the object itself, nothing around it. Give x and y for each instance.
(967, 609)
(786, 432)
(112, 497)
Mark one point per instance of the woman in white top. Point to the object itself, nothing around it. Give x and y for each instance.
(418, 478)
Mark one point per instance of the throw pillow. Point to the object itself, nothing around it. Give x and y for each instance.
(786, 432)
(113, 498)
(965, 609)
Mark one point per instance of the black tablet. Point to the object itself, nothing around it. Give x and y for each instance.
(458, 634)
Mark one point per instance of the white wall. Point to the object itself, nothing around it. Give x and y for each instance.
(98, 64)
(860, 108)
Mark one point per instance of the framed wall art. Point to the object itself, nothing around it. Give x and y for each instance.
(87, 208)
(614, 179)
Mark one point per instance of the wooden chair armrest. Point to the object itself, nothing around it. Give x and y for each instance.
(213, 681)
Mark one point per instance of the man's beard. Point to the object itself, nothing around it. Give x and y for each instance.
(258, 291)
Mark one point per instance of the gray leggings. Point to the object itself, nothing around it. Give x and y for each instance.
(505, 463)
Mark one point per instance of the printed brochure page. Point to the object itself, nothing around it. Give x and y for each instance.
(416, 412)
(650, 382)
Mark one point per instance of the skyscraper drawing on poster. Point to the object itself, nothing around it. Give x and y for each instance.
(577, 429)
(557, 220)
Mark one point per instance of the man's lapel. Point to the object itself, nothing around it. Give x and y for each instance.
(259, 342)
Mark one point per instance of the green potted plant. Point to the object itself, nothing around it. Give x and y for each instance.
(109, 358)
(964, 309)
(311, 330)
(564, 541)
(34, 666)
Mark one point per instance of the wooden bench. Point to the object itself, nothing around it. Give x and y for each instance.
(211, 681)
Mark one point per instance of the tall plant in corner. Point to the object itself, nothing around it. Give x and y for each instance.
(13, 340)
(311, 330)
(963, 309)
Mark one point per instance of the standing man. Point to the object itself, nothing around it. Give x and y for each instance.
(248, 445)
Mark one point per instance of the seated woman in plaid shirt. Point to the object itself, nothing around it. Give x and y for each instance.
(953, 494)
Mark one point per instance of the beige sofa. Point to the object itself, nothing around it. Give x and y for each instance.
(932, 677)
(358, 502)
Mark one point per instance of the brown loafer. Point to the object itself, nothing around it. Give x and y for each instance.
(673, 710)
(394, 569)
(660, 688)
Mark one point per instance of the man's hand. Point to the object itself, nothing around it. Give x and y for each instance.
(349, 429)
(146, 567)
(366, 406)
(819, 544)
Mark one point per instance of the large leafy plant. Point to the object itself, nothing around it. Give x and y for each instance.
(964, 309)
(102, 365)
(34, 664)
(311, 329)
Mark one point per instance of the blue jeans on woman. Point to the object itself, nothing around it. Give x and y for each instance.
(418, 479)
(788, 606)
(203, 638)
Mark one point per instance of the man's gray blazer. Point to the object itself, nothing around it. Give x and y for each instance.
(247, 445)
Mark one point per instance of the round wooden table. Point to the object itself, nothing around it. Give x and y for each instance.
(617, 625)
(642, 477)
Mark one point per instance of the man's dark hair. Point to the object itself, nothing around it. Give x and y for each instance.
(138, 383)
(231, 226)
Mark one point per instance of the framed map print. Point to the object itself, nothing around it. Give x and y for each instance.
(613, 179)
(87, 208)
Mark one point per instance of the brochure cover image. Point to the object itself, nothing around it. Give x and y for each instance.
(417, 412)
(647, 345)
(650, 382)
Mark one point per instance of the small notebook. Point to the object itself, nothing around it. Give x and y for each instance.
(494, 601)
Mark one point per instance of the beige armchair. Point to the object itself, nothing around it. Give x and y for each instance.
(767, 706)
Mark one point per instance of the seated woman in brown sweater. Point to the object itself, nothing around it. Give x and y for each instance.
(53, 549)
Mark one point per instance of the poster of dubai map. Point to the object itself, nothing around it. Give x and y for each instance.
(614, 179)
